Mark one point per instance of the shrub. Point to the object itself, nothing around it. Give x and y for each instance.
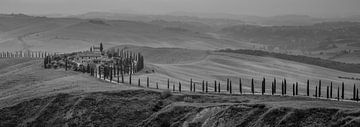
(188, 99)
(165, 94)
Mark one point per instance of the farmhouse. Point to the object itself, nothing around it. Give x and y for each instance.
(87, 57)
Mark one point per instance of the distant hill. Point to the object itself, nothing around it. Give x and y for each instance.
(321, 36)
(148, 18)
(21, 32)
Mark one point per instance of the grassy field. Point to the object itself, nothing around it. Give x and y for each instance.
(210, 66)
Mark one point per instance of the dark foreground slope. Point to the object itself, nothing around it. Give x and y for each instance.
(152, 108)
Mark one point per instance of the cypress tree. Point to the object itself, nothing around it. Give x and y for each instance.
(190, 85)
(104, 72)
(147, 82)
(343, 87)
(293, 89)
(240, 86)
(194, 87)
(331, 90)
(206, 87)
(179, 87)
(203, 86)
(357, 94)
(307, 88)
(252, 86)
(168, 83)
(101, 47)
(174, 87)
(215, 89)
(118, 72)
(262, 87)
(338, 94)
(285, 86)
(282, 88)
(157, 85)
(297, 89)
(319, 88)
(327, 92)
(130, 79)
(122, 69)
(219, 88)
(354, 92)
(230, 87)
(139, 82)
(227, 84)
(99, 71)
(274, 85)
(272, 88)
(111, 74)
(316, 91)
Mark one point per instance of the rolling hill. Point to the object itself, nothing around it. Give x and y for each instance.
(182, 64)
(33, 96)
(71, 34)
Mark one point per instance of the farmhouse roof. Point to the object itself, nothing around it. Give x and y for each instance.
(89, 54)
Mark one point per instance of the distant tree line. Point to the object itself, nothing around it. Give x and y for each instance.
(27, 54)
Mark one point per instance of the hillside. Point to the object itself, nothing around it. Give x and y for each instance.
(149, 108)
(33, 96)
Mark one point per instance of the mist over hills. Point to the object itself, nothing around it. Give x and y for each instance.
(318, 38)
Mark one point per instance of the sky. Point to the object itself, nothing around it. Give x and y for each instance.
(240, 7)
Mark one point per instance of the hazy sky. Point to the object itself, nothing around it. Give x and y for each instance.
(251, 7)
